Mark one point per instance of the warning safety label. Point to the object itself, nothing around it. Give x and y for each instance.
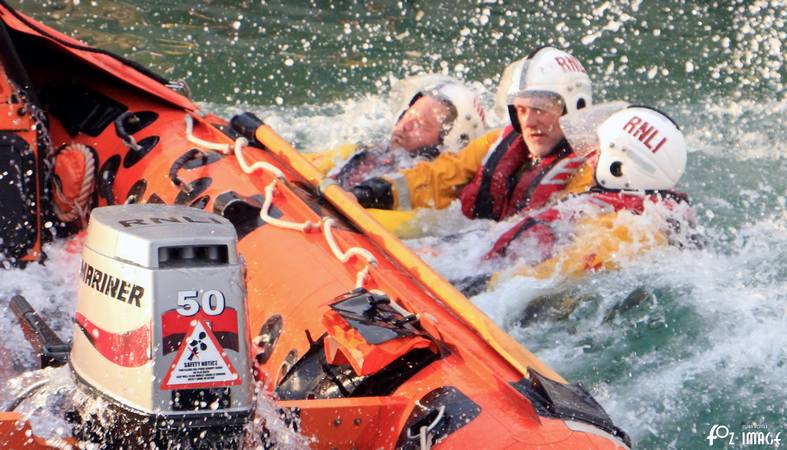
(200, 362)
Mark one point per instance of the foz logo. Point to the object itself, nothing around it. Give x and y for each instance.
(719, 432)
(751, 435)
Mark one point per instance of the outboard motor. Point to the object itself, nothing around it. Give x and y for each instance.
(160, 329)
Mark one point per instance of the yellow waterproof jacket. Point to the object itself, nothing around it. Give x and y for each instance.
(592, 232)
(582, 180)
(600, 243)
(326, 161)
(434, 184)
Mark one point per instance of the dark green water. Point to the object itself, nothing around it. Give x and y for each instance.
(318, 51)
(708, 347)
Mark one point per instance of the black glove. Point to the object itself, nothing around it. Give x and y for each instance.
(374, 193)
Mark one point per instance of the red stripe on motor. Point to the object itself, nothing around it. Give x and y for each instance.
(130, 349)
(174, 323)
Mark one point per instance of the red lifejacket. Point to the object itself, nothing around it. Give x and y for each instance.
(511, 180)
(538, 225)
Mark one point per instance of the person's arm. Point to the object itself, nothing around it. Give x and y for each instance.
(325, 161)
(433, 184)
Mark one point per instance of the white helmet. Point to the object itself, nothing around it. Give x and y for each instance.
(468, 117)
(640, 149)
(548, 71)
(501, 96)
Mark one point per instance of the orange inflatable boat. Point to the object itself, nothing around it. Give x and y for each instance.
(350, 332)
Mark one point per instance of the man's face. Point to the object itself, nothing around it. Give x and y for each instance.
(421, 125)
(539, 118)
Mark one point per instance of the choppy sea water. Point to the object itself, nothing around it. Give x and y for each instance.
(705, 346)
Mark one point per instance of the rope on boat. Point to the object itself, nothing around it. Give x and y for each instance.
(217, 146)
(128, 140)
(425, 439)
(327, 227)
(406, 315)
(425, 432)
(242, 142)
(362, 276)
(305, 227)
(79, 205)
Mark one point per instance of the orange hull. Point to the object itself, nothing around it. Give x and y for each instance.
(15, 433)
(469, 371)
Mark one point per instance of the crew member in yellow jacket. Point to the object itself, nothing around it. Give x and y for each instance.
(523, 166)
(443, 116)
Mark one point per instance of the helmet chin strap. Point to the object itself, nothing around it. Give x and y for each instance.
(428, 152)
(514, 119)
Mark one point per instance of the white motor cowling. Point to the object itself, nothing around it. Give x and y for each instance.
(160, 322)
